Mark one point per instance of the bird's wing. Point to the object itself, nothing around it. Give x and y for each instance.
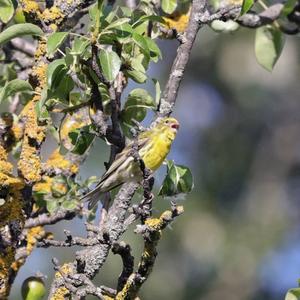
(122, 157)
(119, 160)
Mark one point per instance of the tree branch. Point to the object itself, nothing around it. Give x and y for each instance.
(183, 53)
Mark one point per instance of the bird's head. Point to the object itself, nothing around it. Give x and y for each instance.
(169, 126)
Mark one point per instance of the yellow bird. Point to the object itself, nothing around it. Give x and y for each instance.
(153, 147)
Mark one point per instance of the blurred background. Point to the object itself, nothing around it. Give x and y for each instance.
(240, 135)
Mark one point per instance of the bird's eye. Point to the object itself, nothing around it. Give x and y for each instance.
(167, 121)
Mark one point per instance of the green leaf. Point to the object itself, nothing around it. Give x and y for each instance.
(155, 52)
(69, 204)
(62, 89)
(146, 18)
(40, 107)
(269, 42)
(52, 205)
(247, 4)
(6, 10)
(293, 294)
(79, 46)
(117, 23)
(288, 7)
(157, 91)
(179, 180)
(168, 6)
(123, 33)
(141, 42)
(110, 63)
(136, 105)
(55, 40)
(12, 87)
(18, 30)
(81, 138)
(55, 73)
(137, 71)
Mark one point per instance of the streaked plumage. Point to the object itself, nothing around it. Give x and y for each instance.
(153, 146)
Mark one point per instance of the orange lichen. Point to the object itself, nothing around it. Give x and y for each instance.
(29, 164)
(57, 162)
(178, 21)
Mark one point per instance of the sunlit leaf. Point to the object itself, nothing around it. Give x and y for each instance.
(6, 10)
(157, 91)
(179, 180)
(110, 63)
(18, 30)
(269, 42)
(55, 40)
(168, 6)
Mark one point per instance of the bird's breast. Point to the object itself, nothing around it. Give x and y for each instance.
(155, 153)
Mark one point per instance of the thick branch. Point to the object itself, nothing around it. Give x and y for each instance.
(181, 60)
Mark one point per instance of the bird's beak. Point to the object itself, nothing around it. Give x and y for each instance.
(175, 126)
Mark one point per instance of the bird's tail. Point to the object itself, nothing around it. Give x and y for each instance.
(92, 197)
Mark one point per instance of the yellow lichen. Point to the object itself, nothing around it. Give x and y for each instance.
(44, 186)
(60, 294)
(178, 21)
(29, 164)
(64, 269)
(41, 49)
(33, 235)
(154, 223)
(57, 161)
(52, 15)
(53, 27)
(39, 72)
(3, 154)
(6, 258)
(17, 130)
(29, 6)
